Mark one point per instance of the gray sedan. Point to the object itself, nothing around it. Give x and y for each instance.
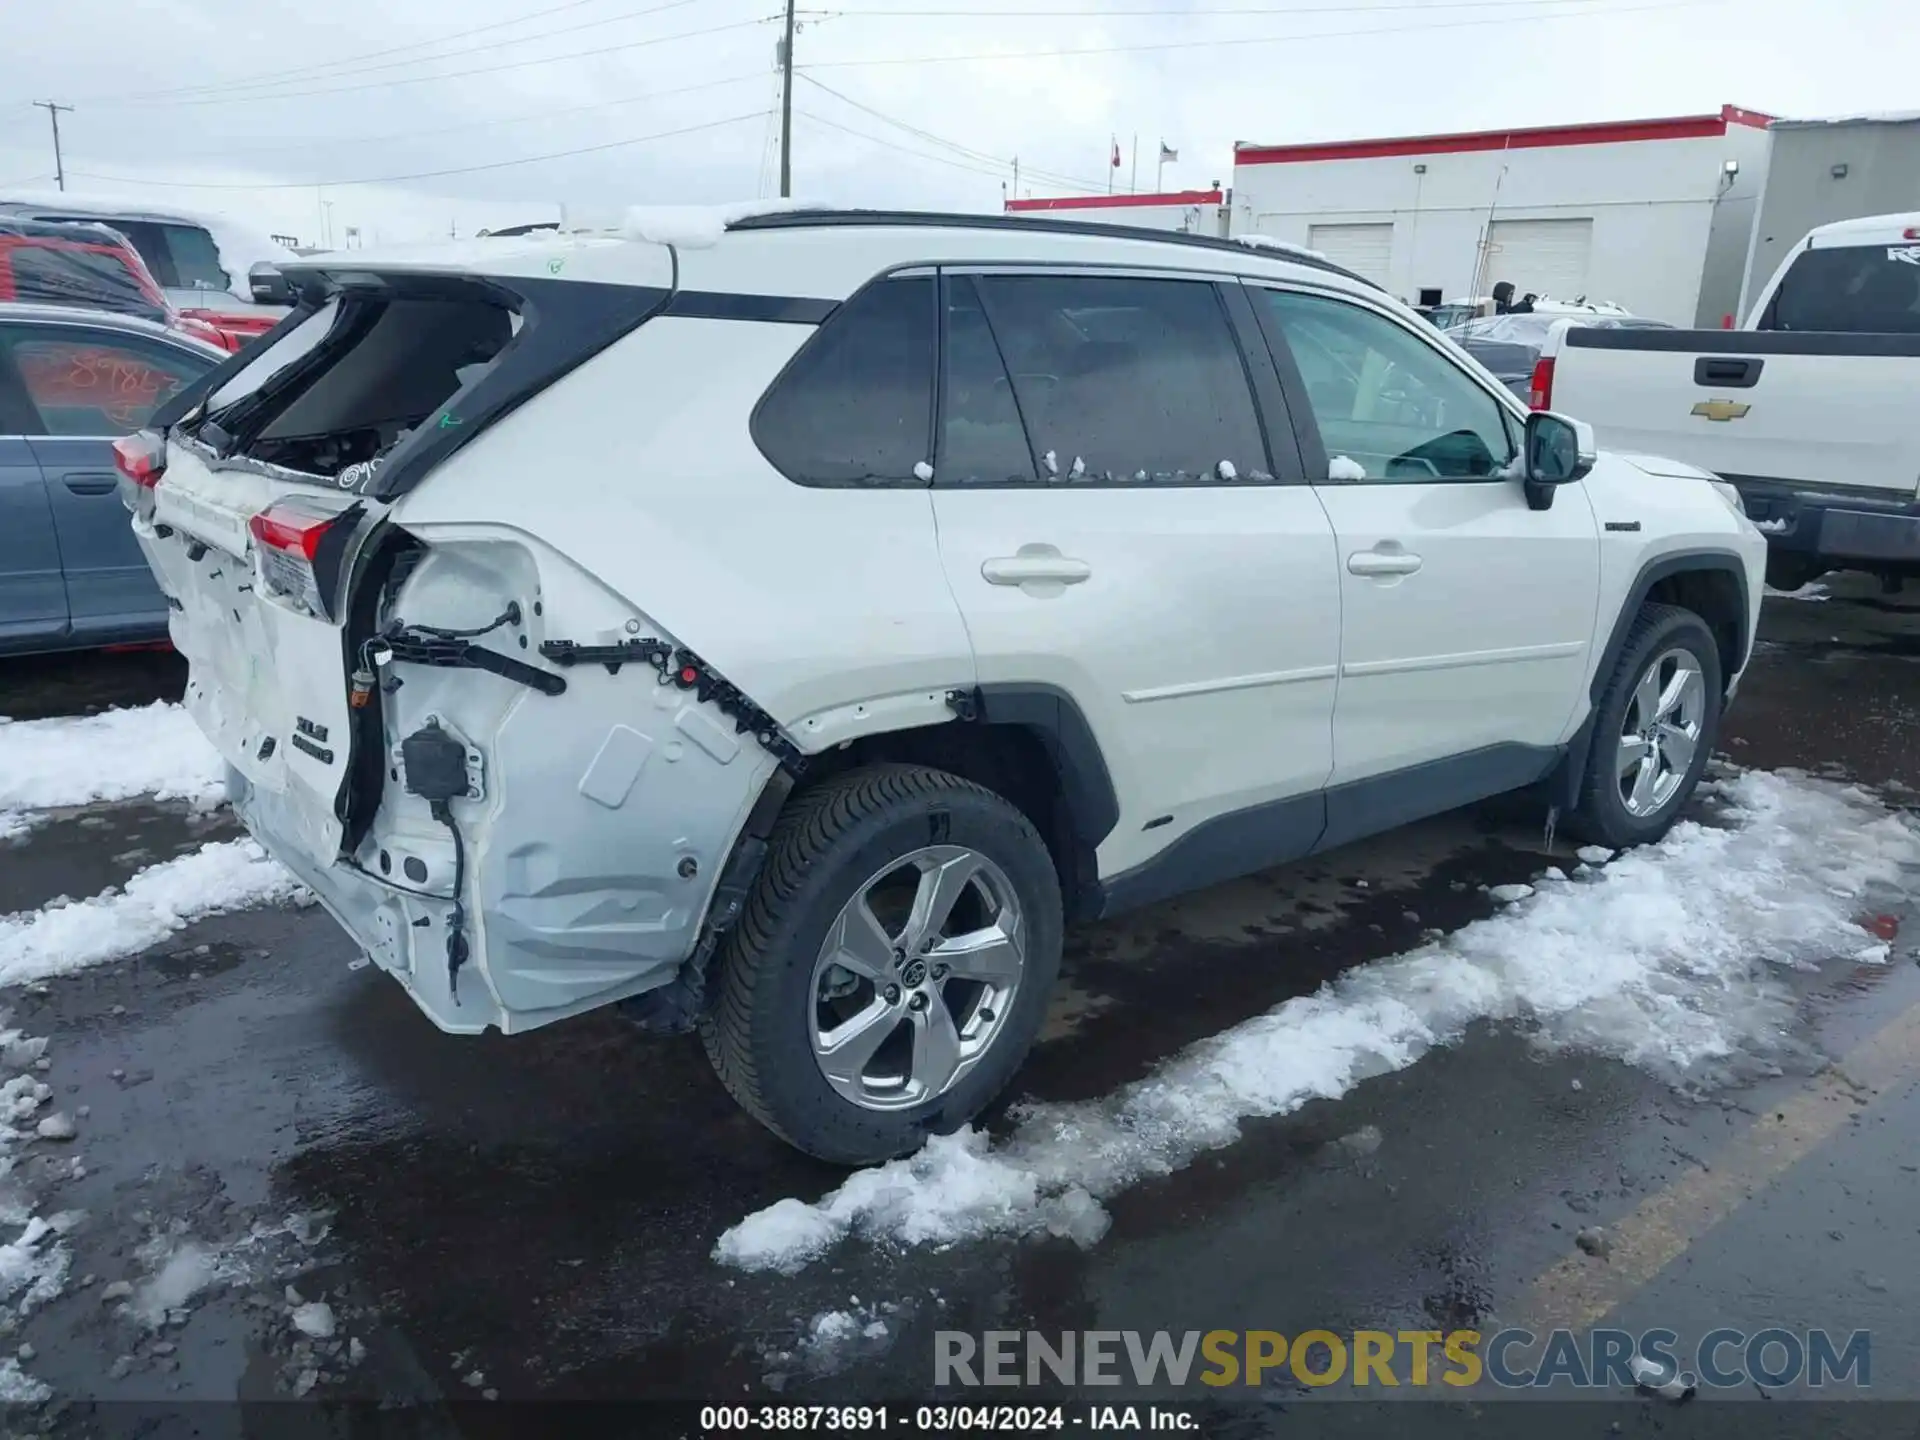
(71, 383)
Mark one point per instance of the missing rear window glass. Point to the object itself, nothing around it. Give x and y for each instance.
(358, 378)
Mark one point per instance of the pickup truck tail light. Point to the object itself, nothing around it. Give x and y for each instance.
(291, 549)
(141, 459)
(1540, 388)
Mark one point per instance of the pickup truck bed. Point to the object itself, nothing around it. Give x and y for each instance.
(1818, 431)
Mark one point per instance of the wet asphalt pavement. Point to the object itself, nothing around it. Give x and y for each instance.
(531, 1218)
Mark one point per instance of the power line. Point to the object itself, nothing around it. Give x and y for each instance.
(277, 147)
(484, 70)
(1049, 176)
(299, 70)
(1298, 39)
(998, 174)
(1179, 12)
(470, 50)
(429, 174)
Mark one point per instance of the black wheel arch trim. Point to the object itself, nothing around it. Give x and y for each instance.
(1566, 780)
(1070, 743)
(1652, 573)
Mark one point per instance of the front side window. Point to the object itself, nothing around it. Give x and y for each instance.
(81, 382)
(855, 407)
(1117, 380)
(1851, 289)
(1388, 405)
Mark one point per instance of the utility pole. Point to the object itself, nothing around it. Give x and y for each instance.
(786, 108)
(1133, 175)
(53, 113)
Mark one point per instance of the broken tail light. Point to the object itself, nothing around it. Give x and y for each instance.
(1540, 387)
(141, 459)
(296, 551)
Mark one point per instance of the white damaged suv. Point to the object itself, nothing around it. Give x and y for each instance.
(784, 629)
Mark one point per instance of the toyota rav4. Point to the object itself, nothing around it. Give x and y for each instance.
(784, 629)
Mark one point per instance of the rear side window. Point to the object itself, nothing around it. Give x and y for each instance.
(83, 382)
(1852, 289)
(196, 259)
(982, 439)
(1118, 380)
(855, 406)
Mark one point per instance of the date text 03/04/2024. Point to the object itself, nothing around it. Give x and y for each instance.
(719, 1420)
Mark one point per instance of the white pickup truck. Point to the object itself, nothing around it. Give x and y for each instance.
(1808, 410)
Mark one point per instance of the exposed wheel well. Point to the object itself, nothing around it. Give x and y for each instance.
(1013, 761)
(1715, 595)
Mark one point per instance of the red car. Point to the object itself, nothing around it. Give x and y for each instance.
(92, 267)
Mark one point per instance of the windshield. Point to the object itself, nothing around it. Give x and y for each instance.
(1851, 289)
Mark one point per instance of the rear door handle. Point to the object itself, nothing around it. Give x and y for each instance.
(1382, 562)
(90, 482)
(1034, 566)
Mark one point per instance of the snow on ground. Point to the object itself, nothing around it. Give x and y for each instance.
(835, 1340)
(1668, 958)
(1813, 590)
(33, 1263)
(217, 878)
(154, 750)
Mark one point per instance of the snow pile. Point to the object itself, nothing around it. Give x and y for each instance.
(1813, 590)
(1667, 958)
(181, 1270)
(1341, 467)
(228, 875)
(698, 227)
(154, 750)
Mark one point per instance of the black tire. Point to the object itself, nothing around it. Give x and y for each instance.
(1602, 815)
(830, 839)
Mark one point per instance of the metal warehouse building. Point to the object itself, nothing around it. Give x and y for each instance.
(1653, 215)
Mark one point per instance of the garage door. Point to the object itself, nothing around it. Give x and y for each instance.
(1364, 249)
(1546, 257)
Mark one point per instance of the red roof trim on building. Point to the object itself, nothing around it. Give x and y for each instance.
(1098, 202)
(1612, 132)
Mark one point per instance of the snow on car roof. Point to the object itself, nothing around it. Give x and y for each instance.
(240, 246)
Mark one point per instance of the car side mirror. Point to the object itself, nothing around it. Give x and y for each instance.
(1558, 452)
(268, 285)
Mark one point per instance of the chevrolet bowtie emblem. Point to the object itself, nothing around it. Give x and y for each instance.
(1720, 409)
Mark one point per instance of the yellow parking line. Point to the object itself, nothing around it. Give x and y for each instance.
(1580, 1291)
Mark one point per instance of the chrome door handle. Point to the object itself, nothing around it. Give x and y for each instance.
(1028, 569)
(1382, 562)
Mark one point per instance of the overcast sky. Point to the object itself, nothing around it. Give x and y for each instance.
(271, 112)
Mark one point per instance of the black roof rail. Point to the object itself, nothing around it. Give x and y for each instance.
(811, 219)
